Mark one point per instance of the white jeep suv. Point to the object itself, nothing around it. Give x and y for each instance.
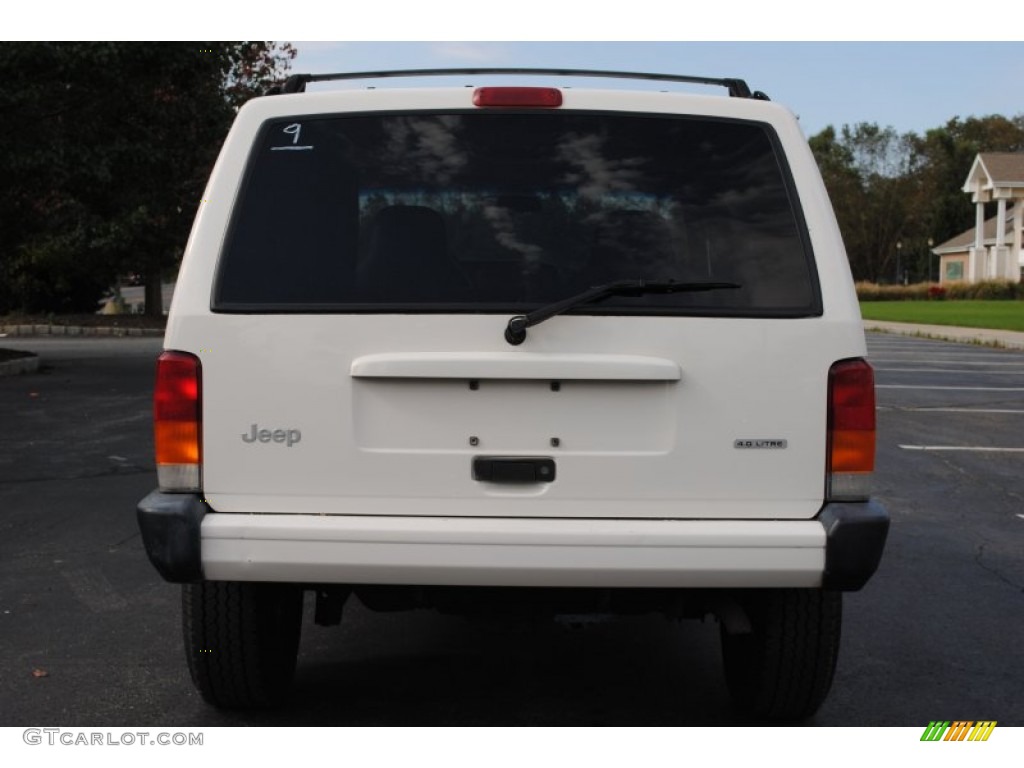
(515, 348)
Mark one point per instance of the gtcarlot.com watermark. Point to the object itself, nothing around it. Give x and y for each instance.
(71, 738)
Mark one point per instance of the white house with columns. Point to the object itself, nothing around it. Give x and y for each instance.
(992, 249)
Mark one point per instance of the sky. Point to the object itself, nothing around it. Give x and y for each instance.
(890, 62)
(912, 86)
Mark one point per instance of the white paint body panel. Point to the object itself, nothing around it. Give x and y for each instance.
(649, 444)
(514, 366)
(503, 552)
(645, 418)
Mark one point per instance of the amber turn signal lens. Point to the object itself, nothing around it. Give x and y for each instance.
(177, 417)
(851, 429)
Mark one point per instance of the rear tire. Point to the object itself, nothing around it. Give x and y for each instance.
(783, 670)
(241, 641)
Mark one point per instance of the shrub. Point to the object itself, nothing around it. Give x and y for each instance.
(959, 290)
(995, 289)
(49, 276)
(874, 292)
(986, 290)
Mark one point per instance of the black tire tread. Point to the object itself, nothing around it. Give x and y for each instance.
(241, 641)
(784, 670)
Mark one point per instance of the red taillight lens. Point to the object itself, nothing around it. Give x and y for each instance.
(177, 420)
(851, 427)
(519, 96)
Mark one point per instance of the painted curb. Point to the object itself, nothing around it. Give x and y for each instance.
(76, 330)
(978, 336)
(19, 366)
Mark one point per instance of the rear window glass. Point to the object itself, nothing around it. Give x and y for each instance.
(504, 211)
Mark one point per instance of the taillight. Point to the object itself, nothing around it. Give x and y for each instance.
(177, 420)
(851, 430)
(518, 96)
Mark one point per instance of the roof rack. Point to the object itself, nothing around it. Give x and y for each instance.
(737, 87)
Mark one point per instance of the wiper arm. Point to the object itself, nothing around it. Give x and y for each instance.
(515, 331)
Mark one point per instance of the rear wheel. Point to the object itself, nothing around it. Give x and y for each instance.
(241, 640)
(783, 669)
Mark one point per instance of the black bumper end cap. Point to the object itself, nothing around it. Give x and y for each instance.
(855, 538)
(170, 525)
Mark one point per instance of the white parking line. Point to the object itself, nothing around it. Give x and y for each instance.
(976, 448)
(951, 351)
(1021, 517)
(946, 370)
(959, 389)
(940, 362)
(949, 410)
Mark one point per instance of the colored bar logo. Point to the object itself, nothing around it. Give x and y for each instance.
(959, 730)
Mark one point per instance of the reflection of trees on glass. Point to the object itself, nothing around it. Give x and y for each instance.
(955, 270)
(523, 208)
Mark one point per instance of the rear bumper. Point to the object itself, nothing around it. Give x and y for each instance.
(187, 542)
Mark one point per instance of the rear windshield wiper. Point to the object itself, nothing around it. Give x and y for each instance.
(515, 331)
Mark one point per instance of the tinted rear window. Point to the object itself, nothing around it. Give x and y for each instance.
(498, 211)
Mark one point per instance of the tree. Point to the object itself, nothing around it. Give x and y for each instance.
(108, 148)
(947, 155)
(890, 189)
(868, 172)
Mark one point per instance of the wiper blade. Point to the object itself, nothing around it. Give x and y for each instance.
(515, 331)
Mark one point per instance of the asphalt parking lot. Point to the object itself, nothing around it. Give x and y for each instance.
(89, 634)
(952, 415)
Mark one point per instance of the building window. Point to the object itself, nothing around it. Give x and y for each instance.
(954, 270)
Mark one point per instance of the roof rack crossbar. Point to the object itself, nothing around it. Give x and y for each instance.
(736, 86)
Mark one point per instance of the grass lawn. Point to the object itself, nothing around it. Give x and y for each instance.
(1000, 315)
